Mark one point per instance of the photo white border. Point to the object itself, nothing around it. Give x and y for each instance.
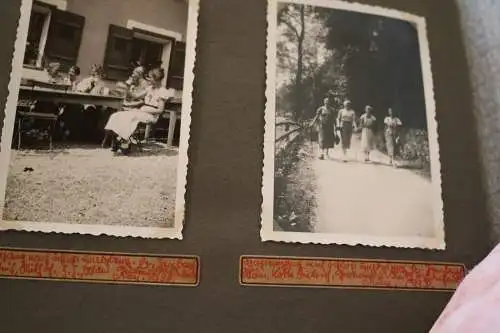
(267, 232)
(174, 232)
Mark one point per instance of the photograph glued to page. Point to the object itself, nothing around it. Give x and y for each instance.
(351, 152)
(96, 127)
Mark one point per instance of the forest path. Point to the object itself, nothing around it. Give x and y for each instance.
(374, 198)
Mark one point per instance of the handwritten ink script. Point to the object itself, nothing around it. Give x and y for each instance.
(326, 272)
(94, 267)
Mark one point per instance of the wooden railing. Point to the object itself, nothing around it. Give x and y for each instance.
(287, 132)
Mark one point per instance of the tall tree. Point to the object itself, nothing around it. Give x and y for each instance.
(382, 62)
(301, 53)
(293, 18)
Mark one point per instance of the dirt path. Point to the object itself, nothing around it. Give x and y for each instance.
(374, 199)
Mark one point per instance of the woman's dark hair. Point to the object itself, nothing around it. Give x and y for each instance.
(75, 69)
(157, 74)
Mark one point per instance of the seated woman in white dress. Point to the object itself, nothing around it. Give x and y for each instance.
(135, 89)
(124, 123)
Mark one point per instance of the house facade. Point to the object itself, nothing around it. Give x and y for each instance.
(114, 33)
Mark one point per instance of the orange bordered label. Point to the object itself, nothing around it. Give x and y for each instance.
(99, 267)
(349, 273)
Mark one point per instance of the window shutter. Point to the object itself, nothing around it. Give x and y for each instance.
(117, 60)
(176, 68)
(64, 38)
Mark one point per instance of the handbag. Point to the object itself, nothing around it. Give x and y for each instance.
(336, 138)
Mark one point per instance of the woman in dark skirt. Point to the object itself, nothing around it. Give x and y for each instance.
(325, 125)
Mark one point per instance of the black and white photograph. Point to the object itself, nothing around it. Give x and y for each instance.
(96, 127)
(351, 151)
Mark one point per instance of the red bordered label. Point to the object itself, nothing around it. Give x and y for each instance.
(349, 273)
(99, 267)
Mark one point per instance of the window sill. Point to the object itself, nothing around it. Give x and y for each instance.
(33, 67)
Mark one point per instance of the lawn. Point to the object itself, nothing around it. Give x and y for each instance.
(89, 185)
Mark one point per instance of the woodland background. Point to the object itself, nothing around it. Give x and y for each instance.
(369, 59)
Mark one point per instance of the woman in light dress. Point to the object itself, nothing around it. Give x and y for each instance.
(324, 121)
(71, 79)
(392, 125)
(346, 120)
(124, 123)
(94, 83)
(367, 123)
(94, 116)
(70, 120)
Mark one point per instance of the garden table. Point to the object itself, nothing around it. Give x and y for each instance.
(58, 96)
(30, 94)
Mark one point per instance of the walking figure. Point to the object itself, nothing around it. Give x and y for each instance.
(325, 125)
(391, 134)
(367, 123)
(347, 122)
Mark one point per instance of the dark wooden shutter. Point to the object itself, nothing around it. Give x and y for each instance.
(64, 37)
(117, 60)
(176, 68)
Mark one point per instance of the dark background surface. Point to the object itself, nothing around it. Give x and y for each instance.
(223, 205)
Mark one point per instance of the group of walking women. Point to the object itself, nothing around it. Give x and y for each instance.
(338, 127)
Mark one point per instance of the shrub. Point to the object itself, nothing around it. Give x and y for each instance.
(415, 147)
(294, 202)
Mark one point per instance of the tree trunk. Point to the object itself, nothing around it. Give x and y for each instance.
(299, 92)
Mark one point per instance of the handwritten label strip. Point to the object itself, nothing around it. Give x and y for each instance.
(349, 273)
(99, 267)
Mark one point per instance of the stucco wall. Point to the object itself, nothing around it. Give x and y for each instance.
(61, 4)
(481, 29)
(166, 14)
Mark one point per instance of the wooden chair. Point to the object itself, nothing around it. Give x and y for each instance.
(166, 122)
(147, 130)
(51, 118)
(26, 110)
(143, 129)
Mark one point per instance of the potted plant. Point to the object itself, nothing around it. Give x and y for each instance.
(31, 54)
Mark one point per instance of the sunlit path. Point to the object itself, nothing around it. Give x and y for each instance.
(374, 199)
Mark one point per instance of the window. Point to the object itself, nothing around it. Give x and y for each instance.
(37, 35)
(117, 60)
(64, 39)
(53, 36)
(128, 47)
(176, 70)
(147, 53)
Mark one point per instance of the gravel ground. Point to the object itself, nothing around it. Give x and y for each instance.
(92, 186)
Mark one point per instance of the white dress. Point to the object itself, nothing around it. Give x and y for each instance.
(124, 123)
(92, 86)
(391, 126)
(367, 132)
